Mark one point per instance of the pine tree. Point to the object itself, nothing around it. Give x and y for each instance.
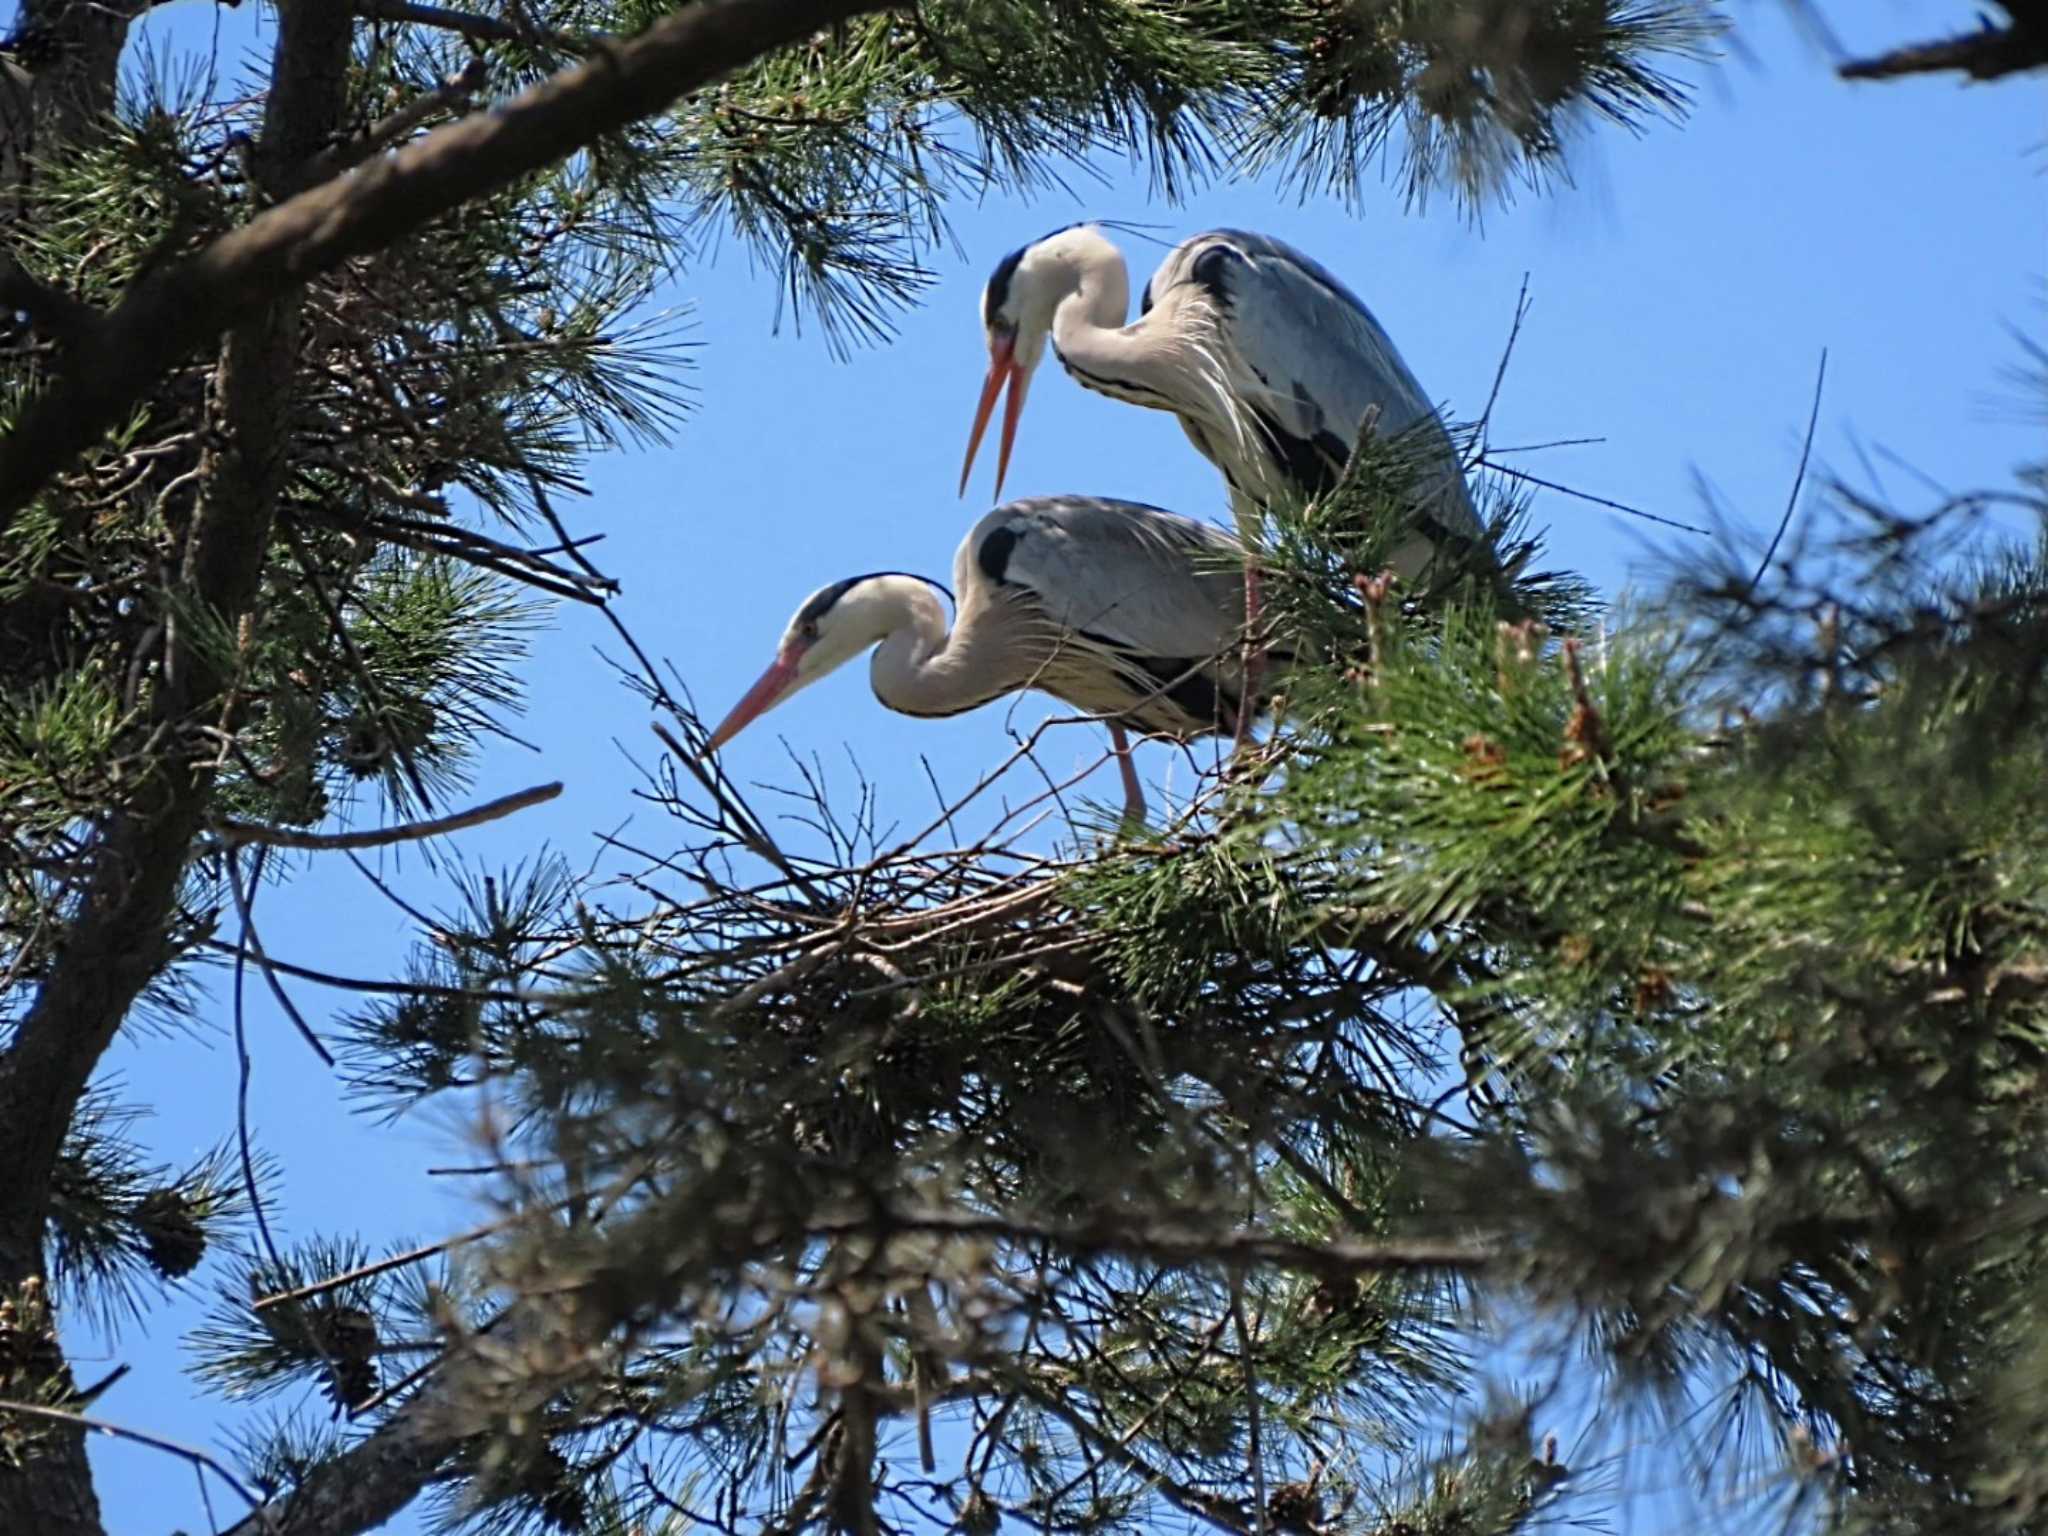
(1143, 1171)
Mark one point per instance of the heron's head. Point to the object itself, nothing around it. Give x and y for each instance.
(835, 624)
(1017, 308)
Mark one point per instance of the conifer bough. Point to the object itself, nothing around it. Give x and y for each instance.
(117, 356)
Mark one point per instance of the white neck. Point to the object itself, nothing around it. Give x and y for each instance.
(921, 667)
(1098, 288)
(1082, 291)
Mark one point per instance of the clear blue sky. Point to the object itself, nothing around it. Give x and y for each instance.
(1682, 294)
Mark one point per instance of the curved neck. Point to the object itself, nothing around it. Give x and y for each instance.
(1089, 331)
(1099, 295)
(922, 668)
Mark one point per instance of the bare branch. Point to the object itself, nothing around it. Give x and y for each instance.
(453, 91)
(198, 1458)
(1168, 1242)
(1989, 53)
(1799, 478)
(251, 948)
(232, 833)
(486, 29)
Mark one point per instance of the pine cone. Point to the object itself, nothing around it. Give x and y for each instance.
(172, 1239)
(979, 1515)
(348, 1335)
(551, 1483)
(29, 1356)
(1295, 1507)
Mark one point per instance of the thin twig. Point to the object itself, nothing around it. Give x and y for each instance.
(242, 1105)
(196, 1457)
(1169, 1242)
(1500, 372)
(395, 988)
(1598, 501)
(428, 924)
(245, 1066)
(400, 1260)
(234, 832)
(252, 946)
(1799, 479)
(489, 29)
(454, 90)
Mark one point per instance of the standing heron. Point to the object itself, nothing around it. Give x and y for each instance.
(1118, 609)
(1271, 365)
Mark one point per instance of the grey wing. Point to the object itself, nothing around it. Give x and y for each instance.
(1313, 355)
(1145, 580)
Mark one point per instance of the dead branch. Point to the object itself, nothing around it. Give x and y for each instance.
(484, 29)
(1989, 53)
(198, 1458)
(233, 833)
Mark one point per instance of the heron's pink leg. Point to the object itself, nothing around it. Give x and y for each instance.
(1134, 794)
(1254, 657)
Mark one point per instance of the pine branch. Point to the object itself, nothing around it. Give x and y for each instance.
(178, 307)
(1989, 53)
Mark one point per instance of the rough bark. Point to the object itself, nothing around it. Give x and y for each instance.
(56, 81)
(117, 938)
(182, 306)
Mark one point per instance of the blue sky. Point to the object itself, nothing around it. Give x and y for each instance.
(1682, 293)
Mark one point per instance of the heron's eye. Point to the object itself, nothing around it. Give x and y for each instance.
(809, 632)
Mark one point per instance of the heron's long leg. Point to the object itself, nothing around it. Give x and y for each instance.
(1254, 657)
(1134, 794)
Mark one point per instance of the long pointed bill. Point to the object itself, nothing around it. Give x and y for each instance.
(758, 701)
(1002, 366)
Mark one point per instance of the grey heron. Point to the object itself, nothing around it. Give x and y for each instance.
(1122, 610)
(1271, 364)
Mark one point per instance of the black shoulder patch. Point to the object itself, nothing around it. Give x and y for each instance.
(994, 555)
(1207, 271)
(1145, 299)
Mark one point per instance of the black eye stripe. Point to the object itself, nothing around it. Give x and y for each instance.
(828, 598)
(814, 610)
(997, 293)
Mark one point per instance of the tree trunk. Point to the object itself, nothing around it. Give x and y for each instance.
(118, 938)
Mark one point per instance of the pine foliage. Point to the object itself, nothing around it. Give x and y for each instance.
(1670, 979)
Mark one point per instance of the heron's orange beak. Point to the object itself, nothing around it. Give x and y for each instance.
(760, 698)
(1002, 365)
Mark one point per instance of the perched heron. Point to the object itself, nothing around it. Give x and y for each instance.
(1121, 610)
(1271, 364)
